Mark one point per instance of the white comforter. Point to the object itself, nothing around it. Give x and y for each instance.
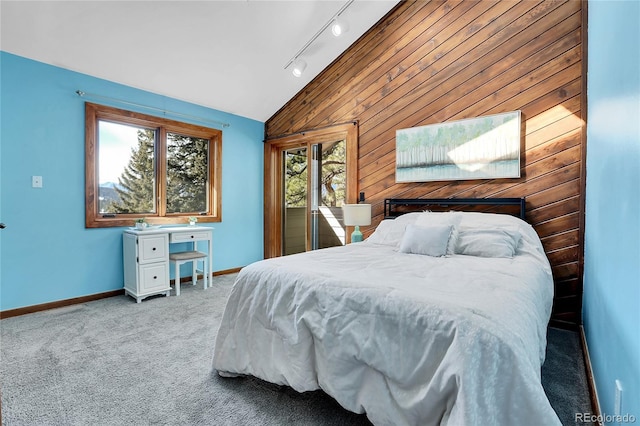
(408, 339)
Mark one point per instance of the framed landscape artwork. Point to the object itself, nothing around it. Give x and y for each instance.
(476, 148)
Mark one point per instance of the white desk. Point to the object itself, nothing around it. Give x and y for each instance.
(146, 257)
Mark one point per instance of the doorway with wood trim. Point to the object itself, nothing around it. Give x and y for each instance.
(308, 177)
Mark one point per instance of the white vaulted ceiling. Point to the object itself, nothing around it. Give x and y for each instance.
(226, 55)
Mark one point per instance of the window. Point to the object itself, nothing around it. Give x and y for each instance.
(144, 166)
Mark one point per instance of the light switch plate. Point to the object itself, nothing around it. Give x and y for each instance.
(36, 181)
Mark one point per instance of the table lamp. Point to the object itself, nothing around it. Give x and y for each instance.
(356, 215)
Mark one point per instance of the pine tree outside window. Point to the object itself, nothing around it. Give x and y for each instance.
(144, 166)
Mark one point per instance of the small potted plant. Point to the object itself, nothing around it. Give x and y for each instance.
(141, 223)
(192, 220)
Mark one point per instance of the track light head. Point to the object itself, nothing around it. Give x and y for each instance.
(339, 27)
(299, 66)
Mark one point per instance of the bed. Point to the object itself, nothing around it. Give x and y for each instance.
(438, 318)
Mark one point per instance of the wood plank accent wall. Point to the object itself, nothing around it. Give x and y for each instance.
(430, 62)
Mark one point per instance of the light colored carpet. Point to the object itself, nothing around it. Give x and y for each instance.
(115, 362)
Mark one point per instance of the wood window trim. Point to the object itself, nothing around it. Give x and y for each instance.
(93, 217)
(273, 171)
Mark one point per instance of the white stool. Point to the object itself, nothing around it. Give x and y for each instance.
(181, 257)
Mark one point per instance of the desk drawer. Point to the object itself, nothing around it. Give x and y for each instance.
(184, 237)
(154, 277)
(153, 248)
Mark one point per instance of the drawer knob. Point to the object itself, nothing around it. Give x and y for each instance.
(192, 236)
(155, 277)
(154, 249)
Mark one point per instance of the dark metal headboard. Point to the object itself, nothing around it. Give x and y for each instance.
(394, 207)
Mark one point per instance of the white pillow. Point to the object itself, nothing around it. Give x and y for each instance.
(489, 220)
(442, 218)
(387, 233)
(427, 240)
(390, 231)
(487, 242)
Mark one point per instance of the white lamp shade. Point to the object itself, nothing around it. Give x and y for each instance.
(357, 214)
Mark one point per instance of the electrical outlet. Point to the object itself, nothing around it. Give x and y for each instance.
(618, 400)
(36, 181)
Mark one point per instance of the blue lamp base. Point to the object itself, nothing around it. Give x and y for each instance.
(356, 236)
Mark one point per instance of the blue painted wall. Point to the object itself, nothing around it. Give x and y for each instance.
(611, 312)
(46, 252)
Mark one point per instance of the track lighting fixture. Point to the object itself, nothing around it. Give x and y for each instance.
(299, 65)
(338, 27)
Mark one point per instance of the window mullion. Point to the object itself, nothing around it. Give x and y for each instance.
(161, 171)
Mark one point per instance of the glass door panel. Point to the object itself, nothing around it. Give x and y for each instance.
(315, 194)
(314, 191)
(294, 239)
(332, 190)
